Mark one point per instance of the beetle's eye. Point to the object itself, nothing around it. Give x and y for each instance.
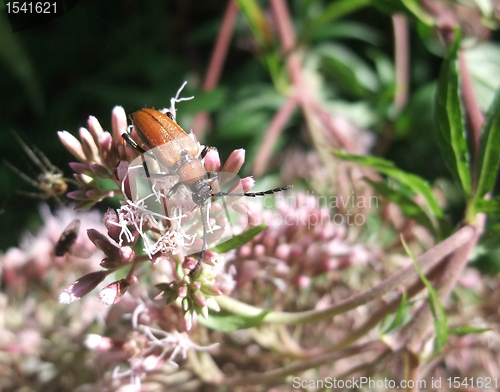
(170, 116)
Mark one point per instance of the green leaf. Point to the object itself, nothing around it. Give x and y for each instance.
(349, 71)
(256, 19)
(349, 30)
(490, 207)
(407, 205)
(450, 119)
(228, 322)
(238, 240)
(440, 319)
(263, 34)
(465, 330)
(415, 183)
(419, 12)
(400, 312)
(334, 11)
(489, 152)
(249, 112)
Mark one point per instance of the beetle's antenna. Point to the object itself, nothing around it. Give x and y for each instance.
(176, 99)
(204, 222)
(254, 194)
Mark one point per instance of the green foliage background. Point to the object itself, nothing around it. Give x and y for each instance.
(136, 54)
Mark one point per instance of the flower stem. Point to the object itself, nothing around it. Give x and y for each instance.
(426, 261)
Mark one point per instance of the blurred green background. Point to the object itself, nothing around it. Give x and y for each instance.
(136, 54)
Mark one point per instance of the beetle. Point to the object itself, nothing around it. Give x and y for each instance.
(181, 156)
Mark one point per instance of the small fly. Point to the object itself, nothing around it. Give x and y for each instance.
(67, 238)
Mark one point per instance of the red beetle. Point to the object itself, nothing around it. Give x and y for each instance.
(179, 153)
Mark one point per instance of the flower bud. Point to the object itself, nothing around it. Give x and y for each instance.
(186, 304)
(118, 123)
(303, 281)
(98, 343)
(103, 243)
(210, 289)
(199, 299)
(111, 222)
(89, 147)
(259, 250)
(107, 150)
(212, 161)
(247, 183)
(132, 280)
(283, 251)
(94, 128)
(85, 180)
(204, 312)
(240, 207)
(212, 303)
(82, 286)
(77, 195)
(127, 254)
(98, 194)
(244, 252)
(113, 292)
(85, 205)
(182, 292)
(234, 162)
(81, 168)
(110, 263)
(72, 144)
(100, 170)
(189, 263)
(188, 321)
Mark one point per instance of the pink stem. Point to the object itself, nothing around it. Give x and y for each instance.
(219, 54)
(275, 128)
(221, 47)
(287, 37)
(401, 54)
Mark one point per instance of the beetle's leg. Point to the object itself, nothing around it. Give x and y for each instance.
(204, 245)
(205, 151)
(210, 175)
(131, 142)
(174, 189)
